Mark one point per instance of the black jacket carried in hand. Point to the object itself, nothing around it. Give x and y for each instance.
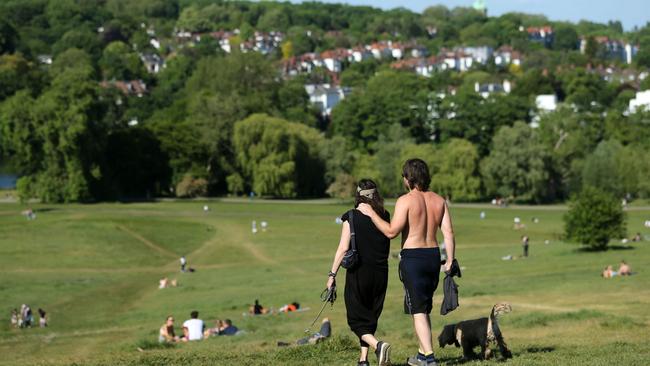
(450, 301)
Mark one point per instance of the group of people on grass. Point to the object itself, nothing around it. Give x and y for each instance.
(418, 216)
(25, 318)
(623, 270)
(194, 329)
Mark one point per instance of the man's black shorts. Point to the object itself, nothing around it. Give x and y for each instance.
(419, 270)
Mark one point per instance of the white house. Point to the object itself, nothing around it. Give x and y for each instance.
(546, 102)
(45, 59)
(614, 49)
(152, 62)
(359, 54)
(506, 55)
(489, 88)
(479, 54)
(333, 59)
(155, 43)
(325, 97)
(380, 50)
(641, 102)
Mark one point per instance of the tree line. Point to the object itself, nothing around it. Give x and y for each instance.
(214, 123)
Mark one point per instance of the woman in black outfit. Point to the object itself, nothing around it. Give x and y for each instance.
(365, 285)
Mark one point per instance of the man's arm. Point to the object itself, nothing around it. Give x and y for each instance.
(393, 228)
(448, 234)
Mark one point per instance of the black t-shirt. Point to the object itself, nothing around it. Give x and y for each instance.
(372, 245)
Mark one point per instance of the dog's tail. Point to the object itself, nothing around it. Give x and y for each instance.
(498, 309)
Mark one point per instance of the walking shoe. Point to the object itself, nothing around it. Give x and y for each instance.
(363, 363)
(421, 360)
(383, 353)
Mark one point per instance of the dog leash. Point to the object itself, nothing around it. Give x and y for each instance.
(327, 296)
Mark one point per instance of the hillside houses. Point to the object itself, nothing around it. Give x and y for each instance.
(506, 55)
(479, 54)
(543, 35)
(613, 49)
(422, 66)
(261, 42)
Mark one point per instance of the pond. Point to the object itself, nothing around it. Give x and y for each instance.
(7, 181)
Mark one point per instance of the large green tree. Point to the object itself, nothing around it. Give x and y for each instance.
(469, 116)
(594, 218)
(454, 171)
(517, 166)
(390, 98)
(279, 158)
(54, 144)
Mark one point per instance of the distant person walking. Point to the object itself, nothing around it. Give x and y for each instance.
(524, 242)
(365, 285)
(26, 316)
(183, 263)
(418, 215)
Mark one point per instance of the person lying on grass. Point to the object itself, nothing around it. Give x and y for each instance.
(324, 333)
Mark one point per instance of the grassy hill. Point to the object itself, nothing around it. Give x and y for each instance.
(95, 269)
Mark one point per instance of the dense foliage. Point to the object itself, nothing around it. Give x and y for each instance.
(594, 218)
(84, 116)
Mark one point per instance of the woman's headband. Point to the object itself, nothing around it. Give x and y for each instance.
(370, 193)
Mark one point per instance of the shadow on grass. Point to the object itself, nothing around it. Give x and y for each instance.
(540, 349)
(599, 250)
(45, 209)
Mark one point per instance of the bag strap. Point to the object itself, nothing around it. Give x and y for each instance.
(352, 234)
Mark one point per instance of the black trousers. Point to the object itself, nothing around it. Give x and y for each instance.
(365, 291)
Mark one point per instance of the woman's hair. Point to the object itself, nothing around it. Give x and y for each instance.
(416, 173)
(370, 195)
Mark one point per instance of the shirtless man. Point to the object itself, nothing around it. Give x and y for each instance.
(418, 215)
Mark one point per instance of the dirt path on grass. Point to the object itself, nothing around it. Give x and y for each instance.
(147, 242)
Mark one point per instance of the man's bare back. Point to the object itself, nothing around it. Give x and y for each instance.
(425, 211)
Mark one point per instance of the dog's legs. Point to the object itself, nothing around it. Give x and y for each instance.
(468, 352)
(503, 348)
(486, 352)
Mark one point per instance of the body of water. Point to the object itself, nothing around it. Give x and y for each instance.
(7, 181)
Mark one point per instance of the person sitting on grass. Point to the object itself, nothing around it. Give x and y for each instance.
(14, 318)
(624, 269)
(193, 328)
(228, 329)
(167, 333)
(324, 333)
(257, 309)
(42, 321)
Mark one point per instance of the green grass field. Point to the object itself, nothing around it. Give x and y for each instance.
(95, 269)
